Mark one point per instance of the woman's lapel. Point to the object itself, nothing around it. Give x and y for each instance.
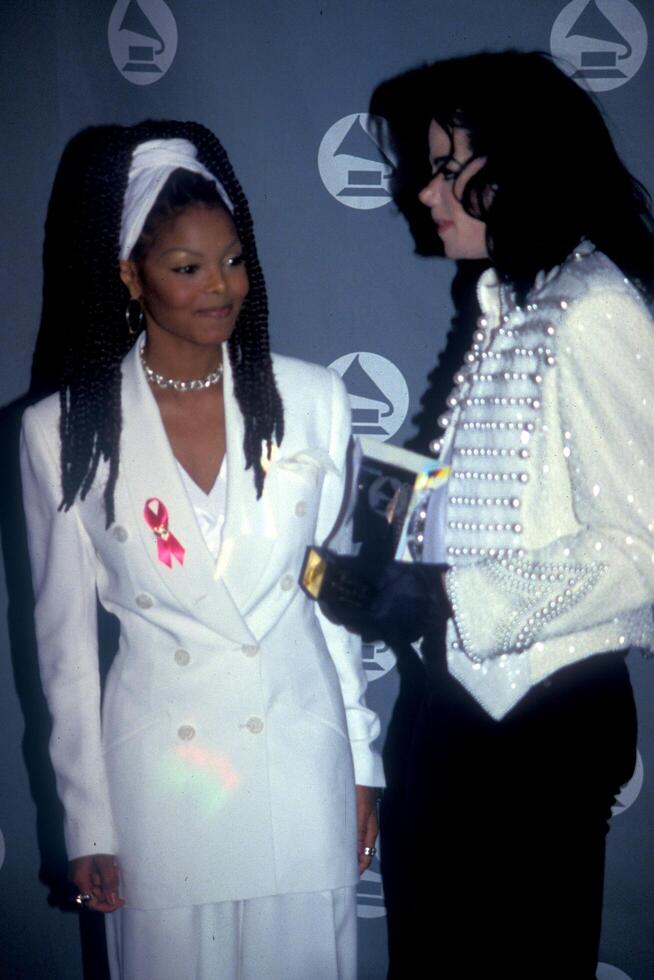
(149, 472)
(250, 531)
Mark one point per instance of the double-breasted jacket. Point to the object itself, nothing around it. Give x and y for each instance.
(222, 762)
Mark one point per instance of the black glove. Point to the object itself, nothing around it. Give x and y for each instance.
(392, 601)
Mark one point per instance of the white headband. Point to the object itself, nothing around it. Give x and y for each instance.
(152, 164)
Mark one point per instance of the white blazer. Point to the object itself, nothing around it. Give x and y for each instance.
(220, 766)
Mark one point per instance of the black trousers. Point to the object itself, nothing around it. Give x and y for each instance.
(493, 833)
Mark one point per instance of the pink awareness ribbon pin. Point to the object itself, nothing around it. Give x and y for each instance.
(168, 547)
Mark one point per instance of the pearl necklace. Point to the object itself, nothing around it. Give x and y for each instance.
(197, 384)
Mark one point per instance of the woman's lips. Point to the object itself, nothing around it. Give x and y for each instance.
(443, 226)
(216, 312)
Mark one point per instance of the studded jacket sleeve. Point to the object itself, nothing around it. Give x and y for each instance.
(582, 579)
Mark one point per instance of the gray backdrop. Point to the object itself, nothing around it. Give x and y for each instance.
(277, 81)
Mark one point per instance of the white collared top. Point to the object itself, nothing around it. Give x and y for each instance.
(209, 508)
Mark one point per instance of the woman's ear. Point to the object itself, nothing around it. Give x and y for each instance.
(130, 277)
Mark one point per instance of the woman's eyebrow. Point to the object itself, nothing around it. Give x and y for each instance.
(192, 251)
(181, 248)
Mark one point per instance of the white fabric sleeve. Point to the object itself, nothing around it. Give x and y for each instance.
(345, 648)
(63, 574)
(604, 573)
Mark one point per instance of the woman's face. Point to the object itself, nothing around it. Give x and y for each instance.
(463, 236)
(192, 281)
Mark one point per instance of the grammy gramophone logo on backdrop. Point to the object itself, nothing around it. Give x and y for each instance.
(354, 165)
(378, 659)
(142, 39)
(630, 792)
(379, 395)
(605, 971)
(370, 893)
(601, 43)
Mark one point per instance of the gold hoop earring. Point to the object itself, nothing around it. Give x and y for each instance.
(129, 317)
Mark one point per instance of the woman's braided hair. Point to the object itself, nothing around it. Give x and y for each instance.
(84, 305)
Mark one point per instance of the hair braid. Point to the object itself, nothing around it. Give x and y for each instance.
(84, 300)
(249, 346)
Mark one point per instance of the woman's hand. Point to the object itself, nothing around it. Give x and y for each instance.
(367, 825)
(97, 875)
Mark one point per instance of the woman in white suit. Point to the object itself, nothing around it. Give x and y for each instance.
(218, 796)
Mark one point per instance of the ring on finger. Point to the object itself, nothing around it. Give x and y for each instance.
(369, 851)
(83, 898)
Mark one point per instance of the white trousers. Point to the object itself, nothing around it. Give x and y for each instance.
(307, 936)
